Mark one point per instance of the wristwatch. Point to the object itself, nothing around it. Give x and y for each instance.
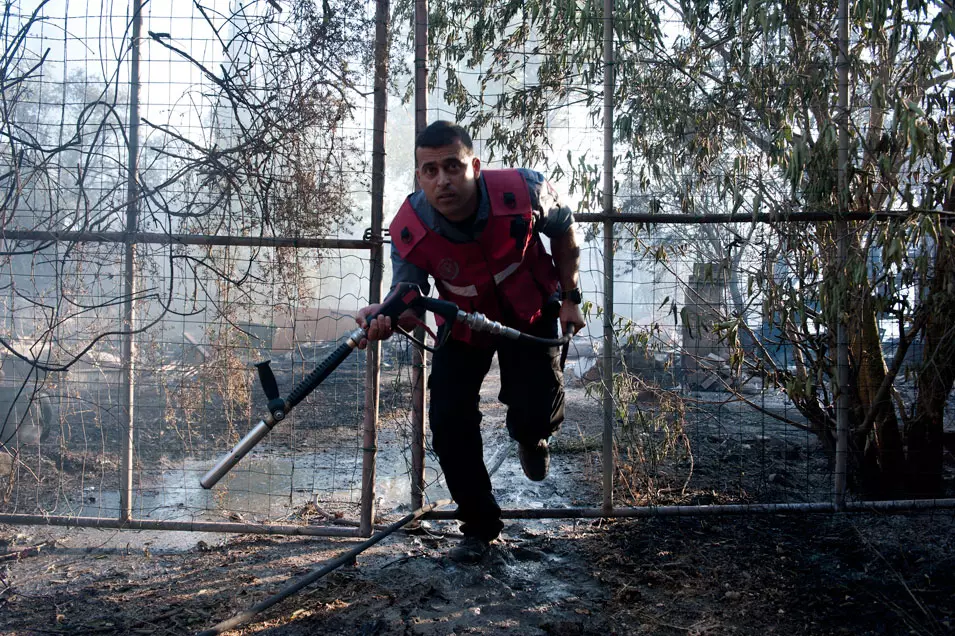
(573, 295)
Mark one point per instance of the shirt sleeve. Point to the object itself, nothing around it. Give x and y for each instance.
(404, 272)
(553, 217)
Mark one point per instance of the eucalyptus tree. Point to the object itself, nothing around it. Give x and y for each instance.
(769, 73)
(740, 99)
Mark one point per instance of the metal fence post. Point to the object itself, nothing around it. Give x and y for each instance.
(373, 368)
(607, 360)
(842, 238)
(419, 370)
(128, 343)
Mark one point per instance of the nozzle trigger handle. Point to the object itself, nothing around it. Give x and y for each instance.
(403, 296)
(267, 379)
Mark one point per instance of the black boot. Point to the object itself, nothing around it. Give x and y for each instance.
(535, 459)
(470, 550)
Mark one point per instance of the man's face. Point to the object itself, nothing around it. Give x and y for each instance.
(449, 177)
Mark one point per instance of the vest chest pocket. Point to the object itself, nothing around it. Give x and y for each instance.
(523, 294)
(519, 226)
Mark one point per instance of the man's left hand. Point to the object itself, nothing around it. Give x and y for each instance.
(571, 318)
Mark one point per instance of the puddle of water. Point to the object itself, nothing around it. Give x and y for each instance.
(270, 486)
(261, 487)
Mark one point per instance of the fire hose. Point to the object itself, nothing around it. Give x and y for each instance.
(403, 297)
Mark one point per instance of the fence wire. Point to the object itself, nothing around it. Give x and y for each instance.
(240, 139)
(256, 123)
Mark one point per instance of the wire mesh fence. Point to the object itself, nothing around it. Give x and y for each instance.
(699, 419)
(254, 128)
(241, 143)
(196, 394)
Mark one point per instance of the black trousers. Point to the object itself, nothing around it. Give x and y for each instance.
(531, 388)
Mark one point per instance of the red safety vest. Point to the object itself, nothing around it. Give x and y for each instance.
(506, 274)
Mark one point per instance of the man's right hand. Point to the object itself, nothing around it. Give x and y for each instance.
(378, 329)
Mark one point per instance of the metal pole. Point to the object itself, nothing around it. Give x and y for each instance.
(607, 359)
(177, 526)
(419, 370)
(772, 217)
(842, 238)
(319, 572)
(156, 238)
(128, 342)
(373, 368)
(900, 505)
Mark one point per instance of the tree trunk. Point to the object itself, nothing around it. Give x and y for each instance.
(876, 449)
(883, 458)
(924, 433)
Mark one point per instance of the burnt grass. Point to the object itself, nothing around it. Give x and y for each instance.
(812, 574)
(809, 574)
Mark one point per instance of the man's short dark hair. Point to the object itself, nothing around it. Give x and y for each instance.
(443, 133)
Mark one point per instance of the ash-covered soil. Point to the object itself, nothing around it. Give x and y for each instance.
(811, 574)
(797, 574)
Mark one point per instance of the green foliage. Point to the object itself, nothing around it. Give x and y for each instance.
(732, 106)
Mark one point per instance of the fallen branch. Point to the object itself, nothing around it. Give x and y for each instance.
(31, 551)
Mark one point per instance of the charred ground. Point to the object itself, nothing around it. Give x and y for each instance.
(848, 574)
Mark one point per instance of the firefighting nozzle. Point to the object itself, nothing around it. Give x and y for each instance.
(402, 297)
(479, 322)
